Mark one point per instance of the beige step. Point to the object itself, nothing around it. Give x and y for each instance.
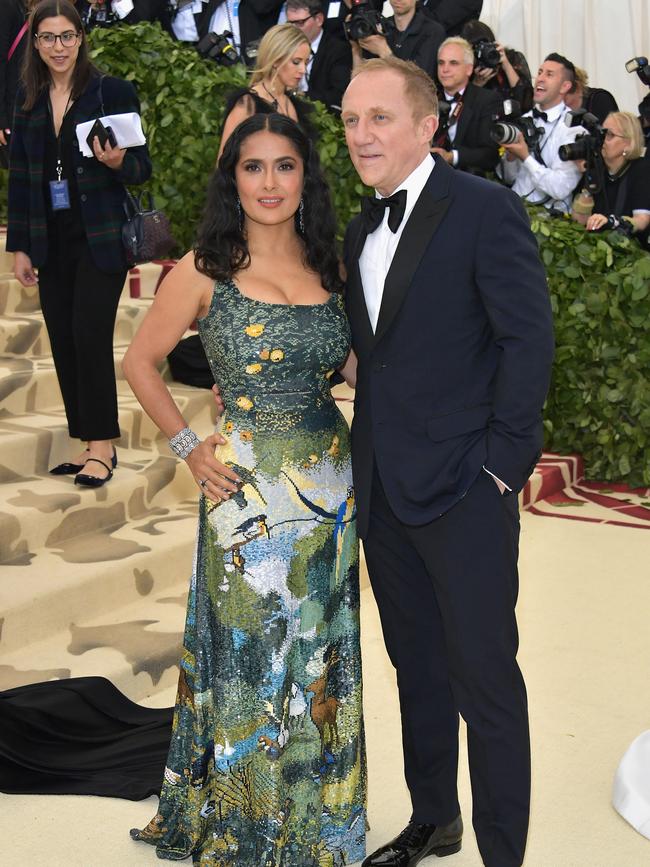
(136, 646)
(93, 574)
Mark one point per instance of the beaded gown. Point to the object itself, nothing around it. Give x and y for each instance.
(267, 765)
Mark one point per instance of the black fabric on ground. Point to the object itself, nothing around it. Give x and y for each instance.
(81, 737)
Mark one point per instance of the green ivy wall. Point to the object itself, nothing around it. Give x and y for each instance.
(599, 402)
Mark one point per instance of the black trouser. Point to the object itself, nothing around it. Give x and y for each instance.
(446, 594)
(79, 304)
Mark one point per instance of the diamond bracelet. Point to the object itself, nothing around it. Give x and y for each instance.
(184, 442)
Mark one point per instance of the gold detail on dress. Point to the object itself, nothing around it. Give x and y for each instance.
(277, 355)
(253, 368)
(244, 402)
(254, 330)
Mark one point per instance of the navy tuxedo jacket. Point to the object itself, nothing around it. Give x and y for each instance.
(456, 374)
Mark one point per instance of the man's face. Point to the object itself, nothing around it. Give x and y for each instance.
(453, 72)
(385, 142)
(311, 25)
(550, 84)
(402, 7)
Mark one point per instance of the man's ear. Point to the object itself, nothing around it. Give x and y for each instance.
(428, 126)
(566, 87)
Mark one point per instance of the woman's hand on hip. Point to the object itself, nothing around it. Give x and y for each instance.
(111, 157)
(24, 270)
(215, 480)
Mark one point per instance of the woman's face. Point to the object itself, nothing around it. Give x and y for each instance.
(292, 70)
(61, 56)
(615, 142)
(269, 178)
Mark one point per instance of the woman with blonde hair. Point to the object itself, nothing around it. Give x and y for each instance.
(623, 201)
(282, 59)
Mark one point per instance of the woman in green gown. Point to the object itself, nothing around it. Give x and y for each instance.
(266, 766)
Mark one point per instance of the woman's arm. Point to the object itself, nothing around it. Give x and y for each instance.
(182, 296)
(349, 369)
(135, 165)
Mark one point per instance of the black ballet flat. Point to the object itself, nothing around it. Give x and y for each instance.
(94, 481)
(67, 469)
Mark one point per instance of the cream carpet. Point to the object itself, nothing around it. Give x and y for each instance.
(585, 650)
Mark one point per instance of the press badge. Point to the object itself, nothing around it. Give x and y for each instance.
(59, 195)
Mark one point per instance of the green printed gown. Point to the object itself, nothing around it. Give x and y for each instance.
(266, 766)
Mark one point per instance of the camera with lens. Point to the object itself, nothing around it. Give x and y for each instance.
(365, 20)
(641, 66)
(98, 14)
(587, 145)
(486, 54)
(219, 47)
(508, 123)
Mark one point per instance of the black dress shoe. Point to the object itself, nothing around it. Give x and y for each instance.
(417, 842)
(94, 481)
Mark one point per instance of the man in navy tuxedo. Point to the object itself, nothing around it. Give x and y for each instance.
(451, 324)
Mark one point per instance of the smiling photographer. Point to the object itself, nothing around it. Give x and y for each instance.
(539, 175)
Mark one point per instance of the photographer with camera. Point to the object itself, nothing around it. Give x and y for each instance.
(463, 136)
(641, 66)
(329, 66)
(502, 70)
(407, 34)
(532, 165)
(623, 200)
(241, 22)
(105, 13)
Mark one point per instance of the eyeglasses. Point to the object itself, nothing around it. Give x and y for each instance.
(299, 22)
(67, 39)
(610, 134)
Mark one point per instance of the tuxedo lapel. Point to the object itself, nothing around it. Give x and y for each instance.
(425, 218)
(356, 301)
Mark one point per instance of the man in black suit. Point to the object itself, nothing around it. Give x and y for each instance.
(451, 324)
(328, 71)
(464, 140)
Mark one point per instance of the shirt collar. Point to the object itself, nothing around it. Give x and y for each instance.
(414, 184)
(450, 96)
(316, 43)
(552, 114)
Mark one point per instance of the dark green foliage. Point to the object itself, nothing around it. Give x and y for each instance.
(599, 403)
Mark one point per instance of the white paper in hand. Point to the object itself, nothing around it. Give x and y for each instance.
(126, 127)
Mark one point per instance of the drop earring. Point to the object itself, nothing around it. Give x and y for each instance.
(240, 214)
(301, 220)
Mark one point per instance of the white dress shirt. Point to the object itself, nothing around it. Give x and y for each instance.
(184, 24)
(551, 184)
(379, 249)
(380, 246)
(304, 81)
(453, 129)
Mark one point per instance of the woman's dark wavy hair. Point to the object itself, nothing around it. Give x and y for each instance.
(222, 249)
(35, 74)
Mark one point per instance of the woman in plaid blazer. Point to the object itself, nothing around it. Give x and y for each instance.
(65, 218)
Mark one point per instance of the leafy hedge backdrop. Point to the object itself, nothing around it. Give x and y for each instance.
(599, 402)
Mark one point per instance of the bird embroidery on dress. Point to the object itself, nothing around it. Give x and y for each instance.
(343, 515)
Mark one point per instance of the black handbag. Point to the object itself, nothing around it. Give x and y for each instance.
(146, 235)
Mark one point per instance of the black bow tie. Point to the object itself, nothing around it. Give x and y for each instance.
(373, 210)
(540, 115)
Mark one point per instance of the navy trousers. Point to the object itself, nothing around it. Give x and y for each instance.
(446, 594)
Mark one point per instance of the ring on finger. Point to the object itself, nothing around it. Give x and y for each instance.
(204, 482)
